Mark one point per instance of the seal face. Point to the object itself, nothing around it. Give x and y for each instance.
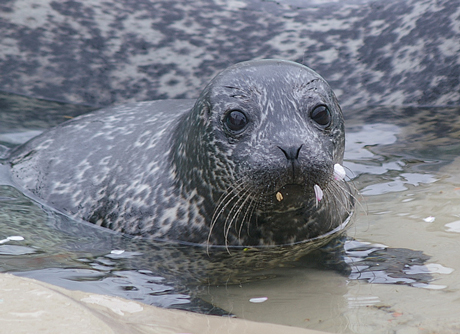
(239, 166)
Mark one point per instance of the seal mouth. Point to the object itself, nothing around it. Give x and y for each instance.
(291, 197)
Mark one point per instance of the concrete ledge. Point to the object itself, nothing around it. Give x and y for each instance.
(30, 306)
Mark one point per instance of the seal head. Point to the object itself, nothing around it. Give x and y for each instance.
(259, 138)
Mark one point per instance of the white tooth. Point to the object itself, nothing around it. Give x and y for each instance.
(318, 193)
(339, 172)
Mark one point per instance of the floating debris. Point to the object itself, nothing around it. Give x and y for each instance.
(429, 219)
(318, 194)
(339, 172)
(12, 238)
(258, 299)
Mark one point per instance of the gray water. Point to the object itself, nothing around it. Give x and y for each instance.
(397, 271)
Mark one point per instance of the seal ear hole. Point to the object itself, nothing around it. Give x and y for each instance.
(321, 115)
(236, 121)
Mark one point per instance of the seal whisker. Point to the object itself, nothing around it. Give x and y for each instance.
(223, 203)
(348, 193)
(250, 208)
(243, 197)
(337, 194)
(339, 197)
(336, 198)
(354, 192)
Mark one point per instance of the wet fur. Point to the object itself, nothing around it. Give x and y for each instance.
(171, 170)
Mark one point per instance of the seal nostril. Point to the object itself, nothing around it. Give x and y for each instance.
(291, 152)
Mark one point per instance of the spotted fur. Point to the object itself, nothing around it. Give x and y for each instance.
(172, 170)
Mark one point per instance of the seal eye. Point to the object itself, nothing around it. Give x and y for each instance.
(236, 121)
(321, 115)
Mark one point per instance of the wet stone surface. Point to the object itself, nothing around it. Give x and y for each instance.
(100, 53)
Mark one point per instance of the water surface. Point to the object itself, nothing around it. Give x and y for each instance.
(396, 272)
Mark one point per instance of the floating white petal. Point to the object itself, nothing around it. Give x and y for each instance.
(429, 219)
(258, 299)
(339, 172)
(318, 193)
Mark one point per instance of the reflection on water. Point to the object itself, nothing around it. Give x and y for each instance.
(402, 160)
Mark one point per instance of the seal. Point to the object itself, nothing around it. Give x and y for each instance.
(250, 162)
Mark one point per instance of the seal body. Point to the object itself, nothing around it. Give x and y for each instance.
(238, 166)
